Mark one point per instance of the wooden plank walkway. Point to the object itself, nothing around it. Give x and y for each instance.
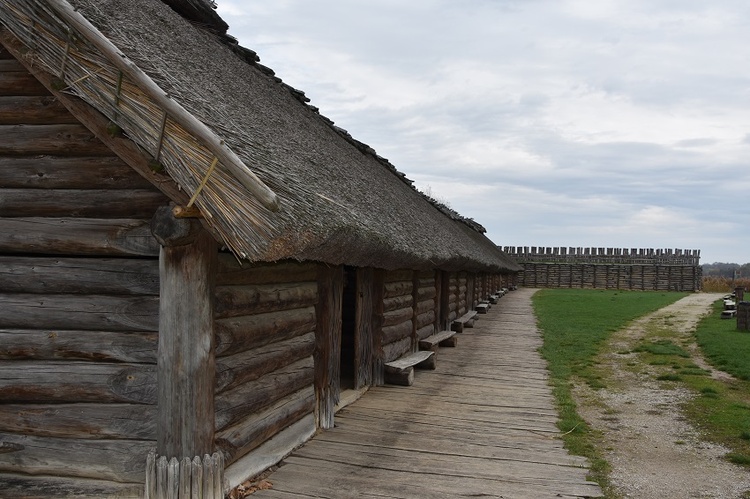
(481, 425)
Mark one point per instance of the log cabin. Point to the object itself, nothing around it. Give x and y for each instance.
(196, 267)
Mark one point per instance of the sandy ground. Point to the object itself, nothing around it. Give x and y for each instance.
(653, 451)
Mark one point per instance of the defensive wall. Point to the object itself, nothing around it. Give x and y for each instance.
(608, 268)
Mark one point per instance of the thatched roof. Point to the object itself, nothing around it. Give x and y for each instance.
(339, 202)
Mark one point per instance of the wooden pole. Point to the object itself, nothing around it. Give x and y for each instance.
(227, 157)
(328, 343)
(186, 364)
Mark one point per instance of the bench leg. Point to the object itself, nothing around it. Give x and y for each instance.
(430, 363)
(402, 378)
(450, 342)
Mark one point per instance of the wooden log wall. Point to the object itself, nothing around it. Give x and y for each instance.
(79, 285)
(398, 314)
(265, 341)
(452, 297)
(462, 288)
(609, 268)
(426, 321)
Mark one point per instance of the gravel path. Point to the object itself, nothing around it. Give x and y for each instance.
(653, 450)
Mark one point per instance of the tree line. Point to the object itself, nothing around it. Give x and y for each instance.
(728, 270)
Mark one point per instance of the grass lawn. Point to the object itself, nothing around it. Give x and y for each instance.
(574, 324)
(722, 410)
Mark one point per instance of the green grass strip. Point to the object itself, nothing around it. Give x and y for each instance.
(574, 324)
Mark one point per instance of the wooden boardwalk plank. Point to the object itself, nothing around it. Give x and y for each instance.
(483, 424)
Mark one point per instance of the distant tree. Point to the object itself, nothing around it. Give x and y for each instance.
(720, 269)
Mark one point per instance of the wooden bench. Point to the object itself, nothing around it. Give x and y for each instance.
(728, 314)
(493, 299)
(466, 320)
(482, 308)
(401, 370)
(443, 339)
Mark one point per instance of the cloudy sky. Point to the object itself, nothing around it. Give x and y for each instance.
(605, 123)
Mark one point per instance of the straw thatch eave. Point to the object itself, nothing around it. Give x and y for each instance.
(339, 202)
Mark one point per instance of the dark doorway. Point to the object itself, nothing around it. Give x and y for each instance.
(348, 329)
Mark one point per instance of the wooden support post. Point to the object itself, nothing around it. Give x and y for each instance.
(186, 364)
(365, 325)
(378, 356)
(328, 343)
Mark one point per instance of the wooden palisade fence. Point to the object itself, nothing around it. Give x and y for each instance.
(608, 268)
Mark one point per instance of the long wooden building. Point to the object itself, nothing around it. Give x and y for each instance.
(194, 263)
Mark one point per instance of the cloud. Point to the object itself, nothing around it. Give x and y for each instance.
(608, 123)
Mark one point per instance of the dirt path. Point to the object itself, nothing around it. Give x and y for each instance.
(653, 451)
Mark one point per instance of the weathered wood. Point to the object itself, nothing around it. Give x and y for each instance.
(424, 306)
(250, 365)
(89, 421)
(53, 381)
(392, 351)
(186, 362)
(39, 487)
(365, 323)
(87, 312)
(59, 344)
(232, 301)
(54, 172)
(399, 288)
(401, 371)
(238, 334)
(397, 303)
(60, 140)
(176, 112)
(396, 332)
(125, 148)
(424, 319)
(172, 231)
(20, 82)
(8, 63)
(466, 320)
(271, 452)
(482, 308)
(328, 343)
(442, 300)
(392, 276)
(426, 293)
(91, 203)
(33, 110)
(186, 475)
(452, 434)
(402, 378)
(258, 427)
(120, 276)
(425, 331)
(233, 272)
(235, 404)
(118, 460)
(398, 316)
(77, 236)
(443, 338)
(378, 355)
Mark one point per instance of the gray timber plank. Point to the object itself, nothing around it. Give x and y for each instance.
(482, 424)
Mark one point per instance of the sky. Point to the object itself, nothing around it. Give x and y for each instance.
(575, 123)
